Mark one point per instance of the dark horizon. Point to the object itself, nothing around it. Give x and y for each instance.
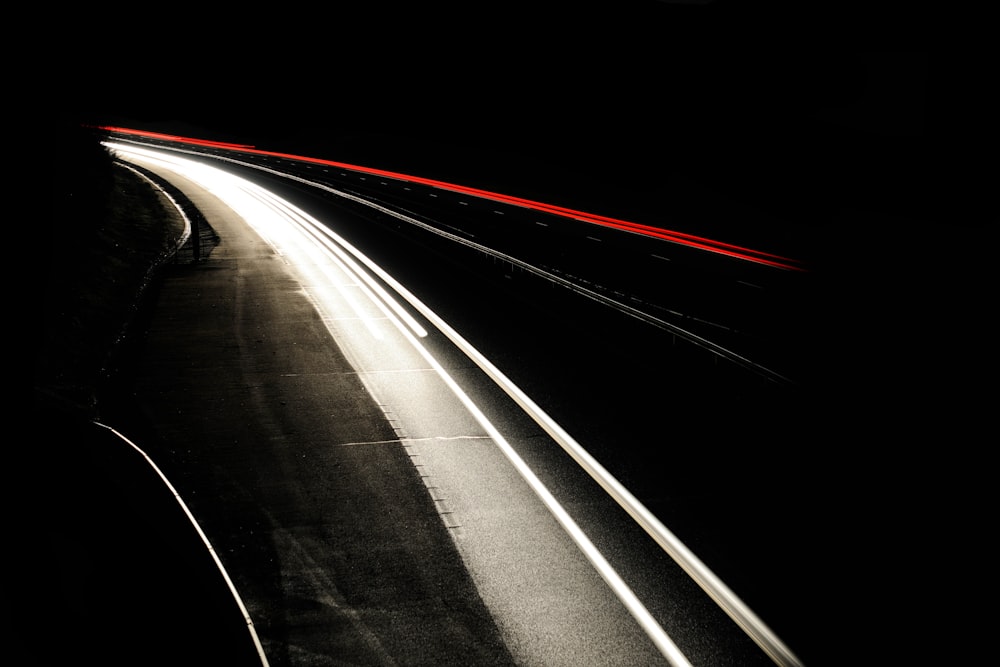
(763, 121)
(767, 147)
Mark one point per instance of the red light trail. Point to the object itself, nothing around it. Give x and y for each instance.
(689, 240)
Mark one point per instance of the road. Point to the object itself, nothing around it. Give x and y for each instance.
(713, 449)
(585, 632)
(331, 425)
(746, 305)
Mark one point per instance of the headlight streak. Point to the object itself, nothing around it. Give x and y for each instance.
(315, 230)
(309, 227)
(559, 280)
(281, 219)
(656, 633)
(267, 218)
(285, 211)
(627, 309)
(727, 600)
(734, 607)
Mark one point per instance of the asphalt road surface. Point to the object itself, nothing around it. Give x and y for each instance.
(359, 524)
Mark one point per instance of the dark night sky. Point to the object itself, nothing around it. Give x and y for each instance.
(852, 136)
(547, 75)
(797, 112)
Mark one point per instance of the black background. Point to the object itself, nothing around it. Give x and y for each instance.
(854, 136)
(775, 105)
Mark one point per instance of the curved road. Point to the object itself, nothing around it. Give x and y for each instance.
(364, 514)
(823, 520)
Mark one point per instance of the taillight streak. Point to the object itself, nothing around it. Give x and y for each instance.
(682, 238)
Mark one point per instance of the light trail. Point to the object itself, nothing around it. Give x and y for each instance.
(727, 600)
(682, 238)
(234, 191)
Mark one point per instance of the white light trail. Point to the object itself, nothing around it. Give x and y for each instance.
(351, 260)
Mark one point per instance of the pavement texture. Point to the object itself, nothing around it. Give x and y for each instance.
(211, 392)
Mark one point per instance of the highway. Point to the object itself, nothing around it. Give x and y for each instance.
(744, 305)
(604, 409)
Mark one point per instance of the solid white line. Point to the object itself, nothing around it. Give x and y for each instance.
(208, 545)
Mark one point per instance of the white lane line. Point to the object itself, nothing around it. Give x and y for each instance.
(406, 441)
(204, 539)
